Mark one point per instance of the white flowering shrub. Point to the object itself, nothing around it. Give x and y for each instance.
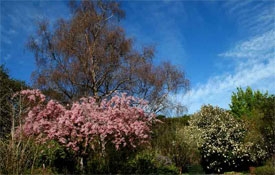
(221, 141)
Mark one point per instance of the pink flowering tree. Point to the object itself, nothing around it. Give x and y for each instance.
(87, 124)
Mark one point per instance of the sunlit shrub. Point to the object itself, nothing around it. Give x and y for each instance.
(220, 139)
(265, 170)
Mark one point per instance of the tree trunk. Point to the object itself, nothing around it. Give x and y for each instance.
(81, 164)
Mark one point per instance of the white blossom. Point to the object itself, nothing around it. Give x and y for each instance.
(218, 134)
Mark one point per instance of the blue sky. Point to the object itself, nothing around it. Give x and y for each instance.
(220, 45)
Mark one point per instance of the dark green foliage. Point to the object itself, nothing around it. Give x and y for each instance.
(54, 158)
(147, 162)
(257, 110)
(168, 140)
(164, 133)
(195, 169)
(141, 162)
(8, 87)
(110, 161)
(268, 126)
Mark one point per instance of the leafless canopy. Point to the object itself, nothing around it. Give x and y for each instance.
(89, 55)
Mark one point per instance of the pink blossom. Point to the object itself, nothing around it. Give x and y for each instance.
(121, 121)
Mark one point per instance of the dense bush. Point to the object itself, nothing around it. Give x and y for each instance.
(170, 140)
(195, 169)
(220, 139)
(147, 162)
(142, 162)
(256, 109)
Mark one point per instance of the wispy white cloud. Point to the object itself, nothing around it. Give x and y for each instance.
(251, 59)
(254, 17)
(258, 47)
(236, 6)
(255, 69)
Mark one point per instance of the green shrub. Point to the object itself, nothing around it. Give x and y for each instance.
(265, 170)
(171, 169)
(147, 162)
(143, 163)
(52, 154)
(195, 169)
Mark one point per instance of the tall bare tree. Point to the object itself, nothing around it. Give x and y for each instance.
(89, 54)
